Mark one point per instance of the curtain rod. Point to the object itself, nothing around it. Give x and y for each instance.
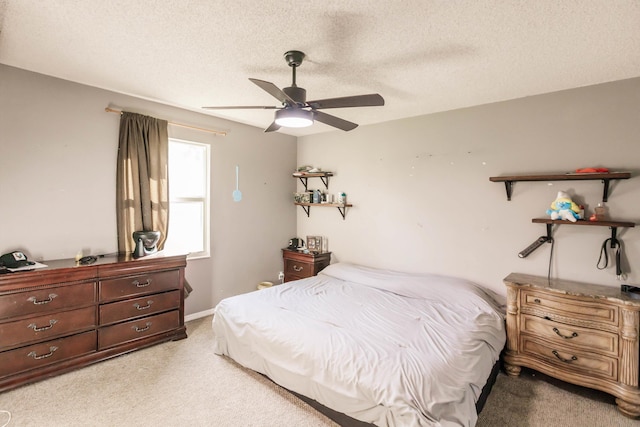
(217, 132)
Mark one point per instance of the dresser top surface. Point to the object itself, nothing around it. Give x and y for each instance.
(569, 287)
(70, 269)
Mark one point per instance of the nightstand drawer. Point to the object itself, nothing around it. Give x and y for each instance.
(588, 310)
(143, 306)
(571, 359)
(297, 268)
(142, 284)
(135, 329)
(571, 336)
(38, 301)
(46, 327)
(46, 353)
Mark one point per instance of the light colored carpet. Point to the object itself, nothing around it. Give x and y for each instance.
(184, 383)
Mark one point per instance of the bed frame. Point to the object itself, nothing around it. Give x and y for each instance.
(347, 421)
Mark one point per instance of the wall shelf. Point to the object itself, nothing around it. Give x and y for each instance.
(604, 177)
(324, 176)
(341, 207)
(614, 225)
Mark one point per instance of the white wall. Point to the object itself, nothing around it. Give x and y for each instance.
(58, 152)
(423, 200)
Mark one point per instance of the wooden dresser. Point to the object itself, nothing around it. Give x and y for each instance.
(581, 333)
(65, 316)
(298, 265)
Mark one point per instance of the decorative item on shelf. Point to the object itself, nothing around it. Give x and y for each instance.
(317, 196)
(564, 208)
(146, 242)
(303, 170)
(342, 198)
(600, 213)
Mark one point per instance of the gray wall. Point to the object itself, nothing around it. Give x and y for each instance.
(423, 200)
(57, 182)
(420, 187)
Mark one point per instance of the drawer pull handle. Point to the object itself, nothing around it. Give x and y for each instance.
(298, 269)
(35, 301)
(142, 285)
(573, 358)
(146, 327)
(566, 337)
(537, 301)
(33, 354)
(42, 328)
(143, 307)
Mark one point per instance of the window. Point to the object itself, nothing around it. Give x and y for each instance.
(188, 198)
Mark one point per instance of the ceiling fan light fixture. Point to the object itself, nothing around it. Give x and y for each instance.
(294, 118)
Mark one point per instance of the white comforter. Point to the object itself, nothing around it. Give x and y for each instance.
(388, 348)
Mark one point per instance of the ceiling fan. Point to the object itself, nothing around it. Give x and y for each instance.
(296, 111)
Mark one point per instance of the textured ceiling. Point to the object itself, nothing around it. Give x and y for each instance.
(421, 56)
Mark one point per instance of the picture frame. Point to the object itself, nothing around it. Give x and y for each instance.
(314, 243)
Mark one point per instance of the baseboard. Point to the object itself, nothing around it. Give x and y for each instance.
(198, 315)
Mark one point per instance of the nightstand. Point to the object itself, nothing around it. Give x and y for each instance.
(580, 333)
(298, 265)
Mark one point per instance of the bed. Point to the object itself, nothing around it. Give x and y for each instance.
(383, 347)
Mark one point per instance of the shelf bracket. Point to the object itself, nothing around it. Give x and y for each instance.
(324, 179)
(508, 186)
(303, 180)
(549, 236)
(306, 209)
(343, 211)
(614, 240)
(605, 192)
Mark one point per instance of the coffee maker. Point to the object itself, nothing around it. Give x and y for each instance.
(296, 244)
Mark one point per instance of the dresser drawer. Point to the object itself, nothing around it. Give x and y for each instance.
(571, 336)
(588, 310)
(37, 301)
(46, 353)
(143, 306)
(46, 327)
(571, 359)
(298, 269)
(142, 284)
(120, 333)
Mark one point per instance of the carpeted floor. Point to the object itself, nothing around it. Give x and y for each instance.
(184, 383)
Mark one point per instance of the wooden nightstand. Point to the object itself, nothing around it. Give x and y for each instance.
(298, 265)
(580, 333)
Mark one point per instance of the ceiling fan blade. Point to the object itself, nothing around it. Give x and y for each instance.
(272, 127)
(244, 107)
(274, 91)
(370, 100)
(334, 121)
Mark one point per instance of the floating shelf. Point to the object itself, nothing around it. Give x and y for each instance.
(584, 222)
(324, 176)
(614, 225)
(341, 207)
(605, 177)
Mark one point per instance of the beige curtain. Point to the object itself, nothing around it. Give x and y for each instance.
(142, 194)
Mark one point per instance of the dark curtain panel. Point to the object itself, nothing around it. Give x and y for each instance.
(142, 193)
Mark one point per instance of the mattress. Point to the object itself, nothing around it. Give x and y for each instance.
(384, 347)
